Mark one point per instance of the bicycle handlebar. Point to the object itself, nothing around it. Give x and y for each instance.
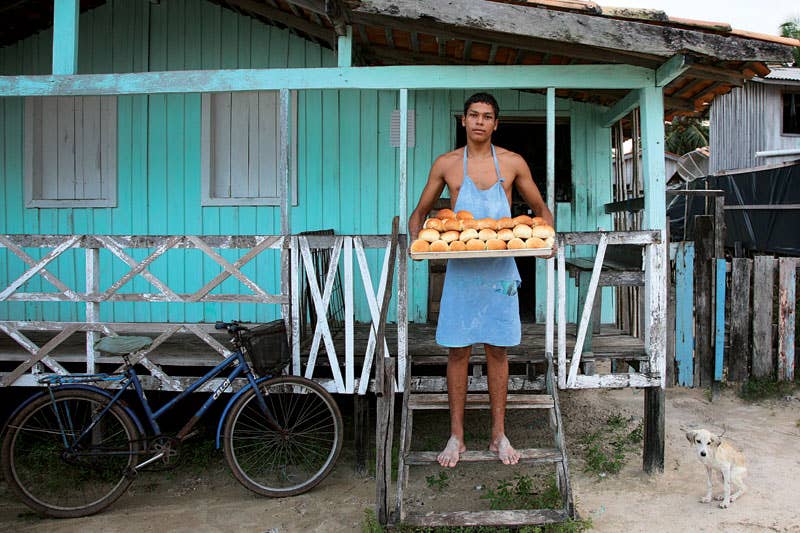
(233, 327)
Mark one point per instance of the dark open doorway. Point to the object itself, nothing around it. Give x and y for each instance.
(527, 136)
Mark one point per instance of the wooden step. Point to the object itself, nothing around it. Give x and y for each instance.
(487, 518)
(529, 455)
(481, 401)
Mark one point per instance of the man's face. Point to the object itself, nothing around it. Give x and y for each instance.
(480, 122)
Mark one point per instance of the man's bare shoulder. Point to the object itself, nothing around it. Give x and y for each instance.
(447, 160)
(508, 156)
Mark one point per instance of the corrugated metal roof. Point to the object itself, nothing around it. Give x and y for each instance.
(784, 73)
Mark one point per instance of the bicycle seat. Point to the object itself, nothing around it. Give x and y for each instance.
(122, 345)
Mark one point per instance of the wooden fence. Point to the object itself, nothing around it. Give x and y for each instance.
(731, 319)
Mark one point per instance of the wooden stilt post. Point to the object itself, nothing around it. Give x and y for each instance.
(704, 251)
(651, 110)
(360, 427)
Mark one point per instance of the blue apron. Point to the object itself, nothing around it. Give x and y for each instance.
(479, 299)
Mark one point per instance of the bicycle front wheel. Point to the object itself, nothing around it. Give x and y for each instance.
(291, 453)
(53, 470)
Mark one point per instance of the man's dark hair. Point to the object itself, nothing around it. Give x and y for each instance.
(482, 98)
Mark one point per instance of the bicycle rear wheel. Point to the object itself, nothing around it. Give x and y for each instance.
(294, 456)
(64, 481)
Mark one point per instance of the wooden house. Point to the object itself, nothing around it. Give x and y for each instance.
(162, 160)
(758, 124)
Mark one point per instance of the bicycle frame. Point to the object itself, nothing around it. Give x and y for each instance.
(236, 359)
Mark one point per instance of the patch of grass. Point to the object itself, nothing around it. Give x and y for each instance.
(755, 389)
(440, 482)
(518, 493)
(570, 526)
(606, 450)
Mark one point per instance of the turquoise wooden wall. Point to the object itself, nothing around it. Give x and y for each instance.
(347, 170)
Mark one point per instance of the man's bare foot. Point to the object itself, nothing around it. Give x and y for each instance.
(507, 454)
(451, 453)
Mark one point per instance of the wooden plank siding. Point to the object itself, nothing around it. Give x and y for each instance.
(347, 169)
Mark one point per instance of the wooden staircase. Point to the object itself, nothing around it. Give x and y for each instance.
(546, 399)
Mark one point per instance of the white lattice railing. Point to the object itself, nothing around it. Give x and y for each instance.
(92, 296)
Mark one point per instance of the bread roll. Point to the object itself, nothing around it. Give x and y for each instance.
(439, 246)
(444, 214)
(487, 223)
(522, 231)
(495, 244)
(450, 236)
(505, 222)
(486, 234)
(538, 221)
(523, 219)
(464, 215)
(429, 235)
(434, 223)
(505, 234)
(452, 224)
(470, 223)
(548, 242)
(543, 232)
(420, 246)
(535, 242)
(468, 234)
(515, 244)
(457, 246)
(475, 245)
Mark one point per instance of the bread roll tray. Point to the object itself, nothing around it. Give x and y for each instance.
(475, 254)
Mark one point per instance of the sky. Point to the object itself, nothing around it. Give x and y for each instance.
(763, 16)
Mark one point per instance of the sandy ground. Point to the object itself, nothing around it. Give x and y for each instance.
(768, 433)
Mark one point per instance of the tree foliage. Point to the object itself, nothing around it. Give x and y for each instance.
(686, 133)
(791, 28)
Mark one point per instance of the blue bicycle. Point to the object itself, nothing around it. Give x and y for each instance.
(73, 449)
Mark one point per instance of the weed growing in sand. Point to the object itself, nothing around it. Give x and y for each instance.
(518, 493)
(440, 482)
(755, 389)
(606, 449)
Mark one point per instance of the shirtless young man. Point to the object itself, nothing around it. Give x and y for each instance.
(479, 299)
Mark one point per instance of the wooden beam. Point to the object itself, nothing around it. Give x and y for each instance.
(516, 42)
(287, 19)
(620, 109)
(672, 69)
(66, 14)
(410, 77)
(344, 48)
(578, 28)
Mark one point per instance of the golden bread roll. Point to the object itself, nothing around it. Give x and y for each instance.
(468, 234)
(464, 215)
(487, 223)
(495, 244)
(522, 231)
(538, 221)
(535, 242)
(505, 222)
(444, 214)
(469, 223)
(457, 246)
(433, 223)
(523, 219)
(420, 246)
(548, 242)
(515, 244)
(505, 234)
(452, 224)
(486, 234)
(429, 235)
(543, 232)
(475, 245)
(450, 236)
(440, 246)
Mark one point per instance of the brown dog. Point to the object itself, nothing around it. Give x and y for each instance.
(717, 454)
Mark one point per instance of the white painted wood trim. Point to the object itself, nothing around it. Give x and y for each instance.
(587, 310)
(349, 311)
(562, 315)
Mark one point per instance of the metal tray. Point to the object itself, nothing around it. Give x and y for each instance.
(526, 252)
